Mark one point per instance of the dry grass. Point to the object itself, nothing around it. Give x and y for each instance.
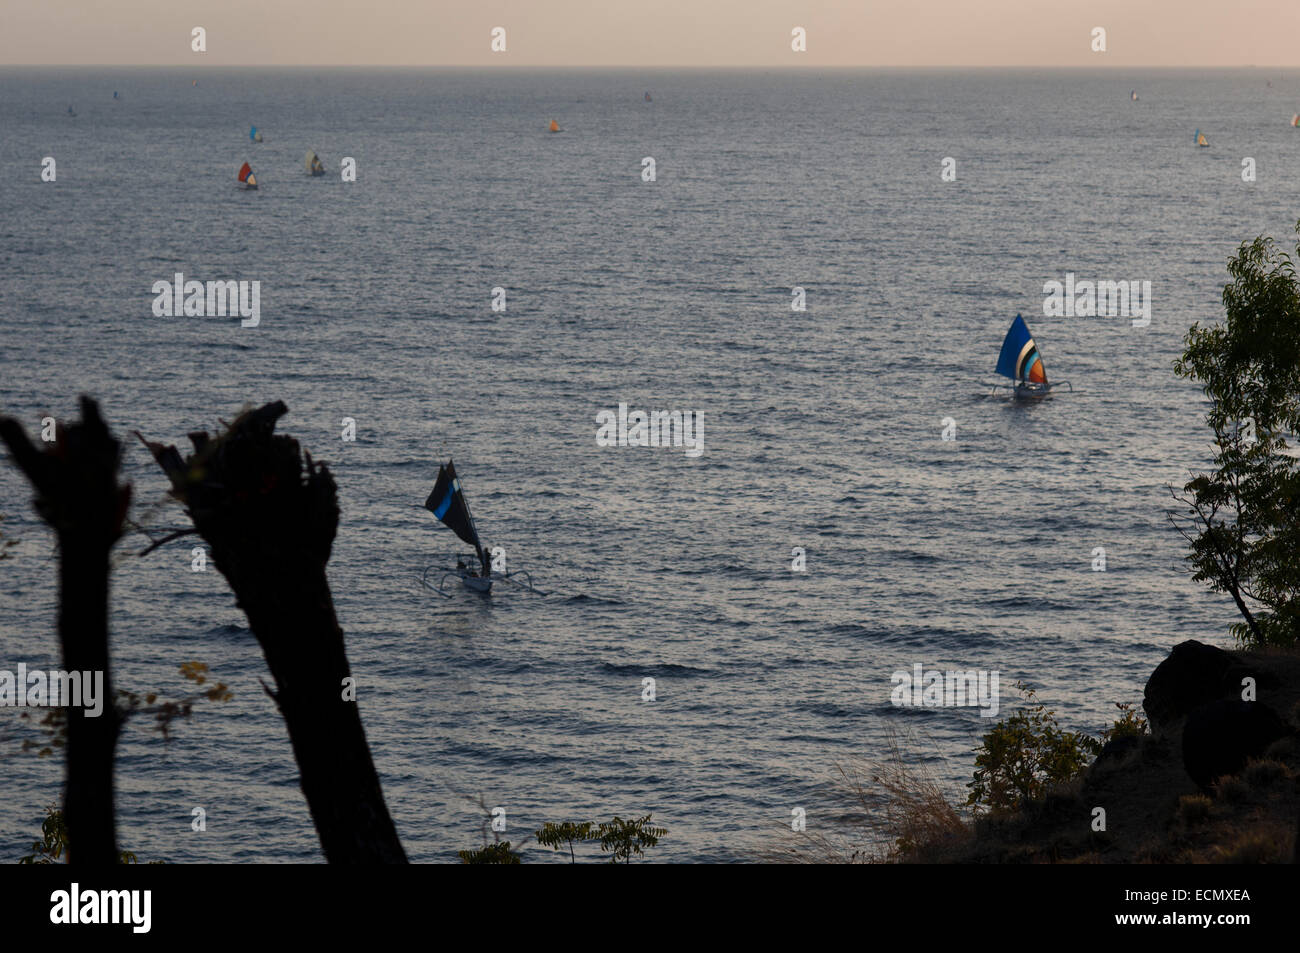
(1262, 775)
(899, 814)
(1231, 789)
(1194, 808)
(1254, 847)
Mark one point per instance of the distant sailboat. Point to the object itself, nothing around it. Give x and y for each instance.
(1201, 140)
(71, 112)
(195, 83)
(1295, 120)
(253, 134)
(447, 502)
(246, 177)
(312, 163)
(1134, 95)
(1020, 361)
(647, 97)
(555, 126)
(115, 94)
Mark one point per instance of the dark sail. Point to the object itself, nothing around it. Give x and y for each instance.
(447, 502)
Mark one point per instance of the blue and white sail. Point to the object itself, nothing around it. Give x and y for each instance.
(447, 502)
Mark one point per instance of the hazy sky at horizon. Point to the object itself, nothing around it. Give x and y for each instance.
(1151, 33)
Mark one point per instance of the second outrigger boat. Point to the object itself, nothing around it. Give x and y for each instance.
(1021, 362)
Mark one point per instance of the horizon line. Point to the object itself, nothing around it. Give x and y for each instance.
(651, 66)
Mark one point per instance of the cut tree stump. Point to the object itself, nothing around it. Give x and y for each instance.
(270, 520)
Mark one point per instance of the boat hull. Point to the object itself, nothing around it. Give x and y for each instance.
(1028, 392)
(476, 583)
(1031, 391)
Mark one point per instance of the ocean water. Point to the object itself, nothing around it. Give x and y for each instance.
(822, 428)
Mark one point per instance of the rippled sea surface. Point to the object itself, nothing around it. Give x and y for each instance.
(822, 428)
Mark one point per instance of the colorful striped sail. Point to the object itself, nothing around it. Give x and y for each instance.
(253, 134)
(1019, 359)
(247, 177)
(1201, 140)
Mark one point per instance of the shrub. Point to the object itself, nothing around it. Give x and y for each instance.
(1023, 756)
(1129, 724)
(498, 853)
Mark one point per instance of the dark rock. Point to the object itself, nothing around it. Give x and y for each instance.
(1117, 750)
(1221, 736)
(1193, 674)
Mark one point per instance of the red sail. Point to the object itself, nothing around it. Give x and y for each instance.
(244, 172)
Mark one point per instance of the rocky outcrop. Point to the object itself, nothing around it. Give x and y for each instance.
(1221, 736)
(1148, 784)
(1193, 675)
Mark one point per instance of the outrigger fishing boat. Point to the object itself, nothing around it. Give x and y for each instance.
(1021, 362)
(447, 502)
(311, 162)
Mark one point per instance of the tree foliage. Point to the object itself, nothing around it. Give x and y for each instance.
(1240, 518)
(557, 835)
(52, 848)
(619, 838)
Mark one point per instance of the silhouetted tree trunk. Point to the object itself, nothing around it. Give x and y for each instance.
(271, 527)
(77, 493)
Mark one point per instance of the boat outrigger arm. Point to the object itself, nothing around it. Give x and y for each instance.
(1021, 362)
(447, 502)
(475, 582)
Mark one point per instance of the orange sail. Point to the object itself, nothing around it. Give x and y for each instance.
(555, 126)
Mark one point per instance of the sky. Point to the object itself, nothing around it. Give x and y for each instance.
(647, 33)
